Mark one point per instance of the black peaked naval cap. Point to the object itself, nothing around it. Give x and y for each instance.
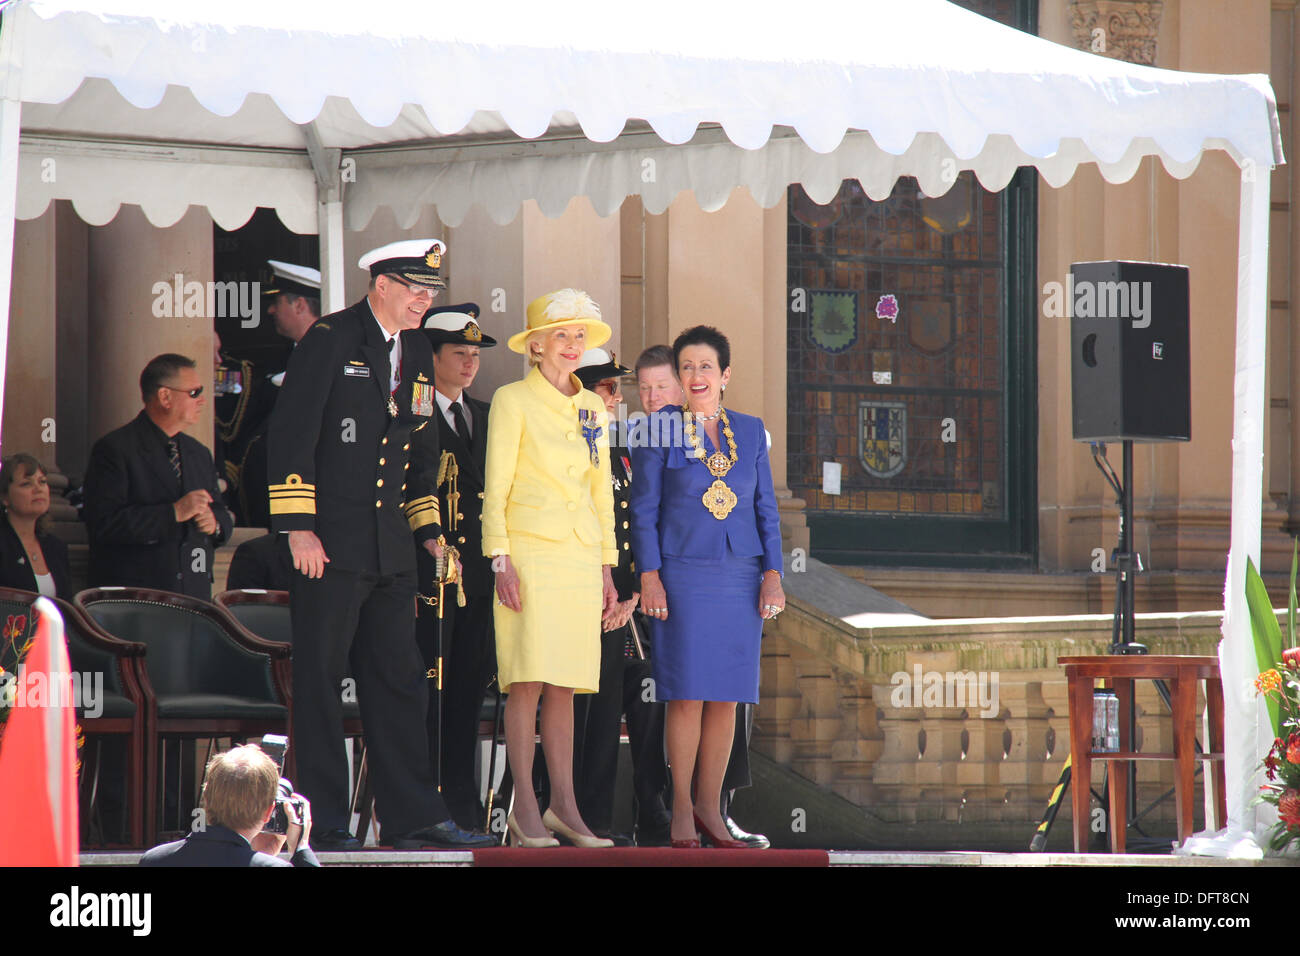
(597, 365)
(456, 324)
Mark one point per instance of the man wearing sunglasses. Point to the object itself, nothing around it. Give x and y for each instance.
(153, 510)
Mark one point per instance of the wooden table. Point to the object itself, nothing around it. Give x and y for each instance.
(1119, 671)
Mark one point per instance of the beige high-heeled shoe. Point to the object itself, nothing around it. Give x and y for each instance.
(553, 822)
(517, 837)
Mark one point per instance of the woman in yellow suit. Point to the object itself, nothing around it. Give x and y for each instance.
(548, 523)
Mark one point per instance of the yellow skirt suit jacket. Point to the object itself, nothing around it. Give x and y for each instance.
(548, 502)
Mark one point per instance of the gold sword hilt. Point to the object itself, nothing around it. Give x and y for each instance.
(449, 572)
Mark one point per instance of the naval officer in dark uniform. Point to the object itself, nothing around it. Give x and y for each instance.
(468, 648)
(624, 666)
(351, 474)
(292, 299)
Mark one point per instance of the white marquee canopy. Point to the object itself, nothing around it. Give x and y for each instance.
(497, 103)
(245, 103)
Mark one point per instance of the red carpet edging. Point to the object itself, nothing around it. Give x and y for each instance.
(647, 856)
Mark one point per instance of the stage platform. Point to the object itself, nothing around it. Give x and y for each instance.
(653, 856)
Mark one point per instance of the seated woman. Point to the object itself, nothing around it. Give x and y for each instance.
(707, 540)
(31, 558)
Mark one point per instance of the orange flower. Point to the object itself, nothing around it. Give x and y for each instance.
(1268, 681)
(1288, 808)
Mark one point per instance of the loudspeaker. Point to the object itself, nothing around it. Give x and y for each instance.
(1130, 357)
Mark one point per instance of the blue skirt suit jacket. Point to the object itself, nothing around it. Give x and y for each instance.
(708, 648)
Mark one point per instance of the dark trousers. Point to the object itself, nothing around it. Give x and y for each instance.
(367, 621)
(596, 735)
(737, 776)
(469, 663)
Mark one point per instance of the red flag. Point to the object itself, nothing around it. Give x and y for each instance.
(38, 755)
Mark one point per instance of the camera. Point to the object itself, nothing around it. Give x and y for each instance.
(275, 746)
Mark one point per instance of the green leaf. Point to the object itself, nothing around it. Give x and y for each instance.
(1267, 635)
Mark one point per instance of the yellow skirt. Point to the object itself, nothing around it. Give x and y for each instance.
(556, 637)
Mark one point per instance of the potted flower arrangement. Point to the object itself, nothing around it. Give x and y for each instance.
(1279, 683)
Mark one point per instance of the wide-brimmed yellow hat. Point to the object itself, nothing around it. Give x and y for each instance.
(565, 307)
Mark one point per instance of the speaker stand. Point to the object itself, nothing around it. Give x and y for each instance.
(1128, 565)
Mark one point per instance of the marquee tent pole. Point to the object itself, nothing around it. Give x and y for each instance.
(10, 123)
(1245, 721)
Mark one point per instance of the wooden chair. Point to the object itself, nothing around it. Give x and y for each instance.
(205, 678)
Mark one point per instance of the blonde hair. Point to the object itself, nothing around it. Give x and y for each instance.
(241, 786)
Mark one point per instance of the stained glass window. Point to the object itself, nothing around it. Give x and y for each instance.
(898, 349)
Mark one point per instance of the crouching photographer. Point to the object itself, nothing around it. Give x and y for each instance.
(249, 814)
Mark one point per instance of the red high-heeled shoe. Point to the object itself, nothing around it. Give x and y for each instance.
(722, 843)
(685, 844)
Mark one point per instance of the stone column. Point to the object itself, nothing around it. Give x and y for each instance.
(1283, 190)
(727, 269)
(72, 315)
(1182, 490)
(133, 270)
(578, 249)
(1206, 217)
(486, 265)
(632, 337)
(656, 280)
(503, 268)
(30, 424)
(715, 277)
(794, 523)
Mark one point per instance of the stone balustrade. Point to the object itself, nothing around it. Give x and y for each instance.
(953, 732)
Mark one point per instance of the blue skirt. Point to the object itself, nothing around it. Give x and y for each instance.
(708, 649)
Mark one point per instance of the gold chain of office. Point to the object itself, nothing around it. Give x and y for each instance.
(719, 499)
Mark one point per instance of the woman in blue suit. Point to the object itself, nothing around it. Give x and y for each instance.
(707, 540)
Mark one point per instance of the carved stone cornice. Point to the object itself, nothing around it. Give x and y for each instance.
(1127, 28)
